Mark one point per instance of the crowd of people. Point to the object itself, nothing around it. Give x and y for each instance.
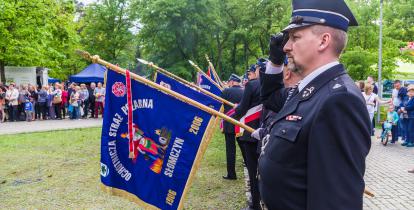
(399, 118)
(28, 102)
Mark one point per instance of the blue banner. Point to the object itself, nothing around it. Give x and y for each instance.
(183, 89)
(206, 84)
(169, 138)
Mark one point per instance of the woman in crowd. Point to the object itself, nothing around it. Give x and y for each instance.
(64, 105)
(84, 96)
(33, 98)
(371, 100)
(57, 100)
(99, 93)
(42, 102)
(2, 103)
(74, 102)
(50, 110)
(409, 109)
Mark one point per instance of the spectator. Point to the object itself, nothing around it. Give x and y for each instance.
(403, 122)
(370, 80)
(391, 121)
(99, 99)
(371, 100)
(409, 109)
(12, 95)
(23, 95)
(74, 102)
(28, 108)
(57, 100)
(92, 99)
(50, 110)
(84, 98)
(64, 101)
(2, 103)
(33, 97)
(42, 100)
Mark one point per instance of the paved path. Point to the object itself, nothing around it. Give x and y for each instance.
(47, 125)
(387, 176)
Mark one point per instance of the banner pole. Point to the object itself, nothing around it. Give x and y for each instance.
(96, 59)
(214, 71)
(157, 68)
(202, 72)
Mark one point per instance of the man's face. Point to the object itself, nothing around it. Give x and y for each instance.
(397, 85)
(370, 80)
(251, 75)
(301, 48)
(410, 93)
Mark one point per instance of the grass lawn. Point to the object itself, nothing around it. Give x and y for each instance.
(61, 170)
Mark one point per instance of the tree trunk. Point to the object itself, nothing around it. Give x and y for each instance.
(2, 72)
(233, 56)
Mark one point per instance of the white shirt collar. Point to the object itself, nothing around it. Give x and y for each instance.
(305, 81)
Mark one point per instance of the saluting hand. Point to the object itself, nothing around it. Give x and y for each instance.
(276, 54)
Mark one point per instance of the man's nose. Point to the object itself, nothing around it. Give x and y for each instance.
(288, 46)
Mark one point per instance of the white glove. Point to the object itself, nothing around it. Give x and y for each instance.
(256, 134)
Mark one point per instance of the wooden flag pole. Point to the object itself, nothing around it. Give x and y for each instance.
(96, 59)
(214, 71)
(150, 64)
(201, 71)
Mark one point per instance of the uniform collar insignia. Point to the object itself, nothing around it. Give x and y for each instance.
(336, 86)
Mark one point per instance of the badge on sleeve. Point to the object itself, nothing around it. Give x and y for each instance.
(293, 118)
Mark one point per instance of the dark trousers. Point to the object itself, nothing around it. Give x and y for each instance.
(13, 110)
(251, 160)
(43, 110)
(92, 108)
(85, 107)
(403, 127)
(63, 110)
(98, 105)
(37, 110)
(394, 132)
(231, 153)
(57, 108)
(410, 131)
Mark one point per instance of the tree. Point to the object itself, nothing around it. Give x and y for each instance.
(38, 33)
(106, 30)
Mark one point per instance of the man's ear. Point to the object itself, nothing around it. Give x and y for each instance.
(287, 75)
(325, 41)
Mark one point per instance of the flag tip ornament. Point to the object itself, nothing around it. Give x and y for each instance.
(143, 61)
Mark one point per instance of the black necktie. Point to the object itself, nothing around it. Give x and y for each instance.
(292, 92)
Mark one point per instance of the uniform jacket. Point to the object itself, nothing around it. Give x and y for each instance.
(315, 156)
(233, 94)
(250, 99)
(410, 108)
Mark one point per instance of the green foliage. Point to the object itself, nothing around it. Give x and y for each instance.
(106, 30)
(38, 33)
(233, 33)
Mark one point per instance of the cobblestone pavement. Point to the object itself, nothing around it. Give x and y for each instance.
(387, 177)
(47, 125)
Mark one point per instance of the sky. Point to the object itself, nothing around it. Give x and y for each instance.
(86, 2)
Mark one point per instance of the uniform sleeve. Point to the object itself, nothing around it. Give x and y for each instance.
(245, 102)
(272, 91)
(338, 145)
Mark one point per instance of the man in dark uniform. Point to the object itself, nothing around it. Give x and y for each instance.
(250, 102)
(315, 150)
(233, 94)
